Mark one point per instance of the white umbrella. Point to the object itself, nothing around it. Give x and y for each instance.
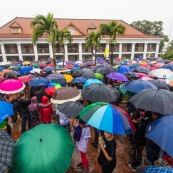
(35, 70)
(162, 73)
(61, 63)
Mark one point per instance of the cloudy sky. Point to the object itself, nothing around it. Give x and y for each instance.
(127, 10)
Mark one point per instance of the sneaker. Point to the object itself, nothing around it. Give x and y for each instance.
(79, 165)
(94, 145)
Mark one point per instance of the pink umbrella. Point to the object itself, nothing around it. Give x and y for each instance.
(146, 78)
(158, 65)
(141, 74)
(26, 78)
(11, 86)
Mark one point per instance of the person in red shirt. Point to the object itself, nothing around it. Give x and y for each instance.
(46, 110)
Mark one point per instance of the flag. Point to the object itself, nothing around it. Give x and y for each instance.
(106, 53)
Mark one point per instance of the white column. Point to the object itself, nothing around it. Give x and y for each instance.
(120, 50)
(50, 50)
(19, 51)
(145, 50)
(93, 57)
(3, 53)
(80, 51)
(133, 51)
(36, 52)
(66, 52)
(157, 50)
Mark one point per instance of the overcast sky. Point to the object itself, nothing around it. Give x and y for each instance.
(127, 10)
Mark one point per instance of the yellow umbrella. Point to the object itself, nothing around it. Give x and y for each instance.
(26, 63)
(68, 77)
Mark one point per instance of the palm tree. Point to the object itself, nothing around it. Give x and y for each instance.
(93, 41)
(61, 36)
(45, 25)
(112, 29)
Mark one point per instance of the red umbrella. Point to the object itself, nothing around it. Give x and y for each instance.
(158, 65)
(128, 118)
(69, 66)
(25, 79)
(51, 64)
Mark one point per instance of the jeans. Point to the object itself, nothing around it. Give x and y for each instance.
(24, 119)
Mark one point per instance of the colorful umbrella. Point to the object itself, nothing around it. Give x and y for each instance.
(123, 69)
(39, 82)
(110, 119)
(162, 73)
(45, 148)
(11, 86)
(79, 80)
(65, 94)
(68, 77)
(92, 81)
(55, 76)
(25, 70)
(6, 110)
(51, 88)
(36, 70)
(117, 76)
(98, 75)
(6, 151)
(48, 68)
(26, 78)
(124, 91)
(26, 63)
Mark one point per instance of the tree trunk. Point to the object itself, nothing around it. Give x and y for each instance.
(54, 57)
(63, 56)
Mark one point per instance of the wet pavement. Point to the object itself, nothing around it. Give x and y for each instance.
(92, 153)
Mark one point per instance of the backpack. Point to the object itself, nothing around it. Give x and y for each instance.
(77, 133)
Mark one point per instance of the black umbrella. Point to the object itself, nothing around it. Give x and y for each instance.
(106, 70)
(160, 84)
(131, 75)
(155, 100)
(88, 76)
(99, 93)
(71, 108)
(142, 70)
(62, 81)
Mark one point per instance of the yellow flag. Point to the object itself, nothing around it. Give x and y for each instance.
(106, 53)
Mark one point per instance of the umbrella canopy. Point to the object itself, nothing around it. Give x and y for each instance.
(68, 77)
(36, 70)
(61, 63)
(26, 78)
(99, 93)
(42, 64)
(117, 76)
(25, 70)
(98, 75)
(92, 81)
(1, 69)
(159, 132)
(136, 86)
(51, 64)
(45, 148)
(124, 91)
(65, 94)
(131, 75)
(48, 68)
(79, 80)
(160, 84)
(142, 69)
(11, 86)
(6, 151)
(26, 63)
(155, 100)
(61, 81)
(6, 110)
(89, 76)
(55, 76)
(110, 119)
(51, 88)
(71, 108)
(158, 169)
(162, 73)
(123, 69)
(106, 70)
(14, 68)
(168, 66)
(40, 81)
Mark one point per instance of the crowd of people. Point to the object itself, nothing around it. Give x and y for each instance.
(33, 106)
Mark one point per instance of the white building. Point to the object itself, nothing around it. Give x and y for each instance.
(16, 41)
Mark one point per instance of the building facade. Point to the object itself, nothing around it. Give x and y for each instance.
(16, 42)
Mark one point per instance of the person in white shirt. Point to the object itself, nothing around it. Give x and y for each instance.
(63, 120)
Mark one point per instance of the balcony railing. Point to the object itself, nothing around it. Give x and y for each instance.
(139, 49)
(152, 49)
(73, 50)
(59, 50)
(43, 50)
(27, 50)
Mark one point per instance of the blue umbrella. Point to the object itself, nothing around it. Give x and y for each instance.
(158, 169)
(25, 70)
(159, 132)
(92, 81)
(79, 80)
(110, 119)
(39, 82)
(61, 81)
(6, 110)
(136, 86)
(48, 68)
(142, 69)
(123, 69)
(168, 66)
(1, 69)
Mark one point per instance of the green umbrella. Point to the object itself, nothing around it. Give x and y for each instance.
(124, 91)
(35, 65)
(89, 110)
(98, 75)
(45, 148)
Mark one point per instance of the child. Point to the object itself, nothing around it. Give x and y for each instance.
(82, 145)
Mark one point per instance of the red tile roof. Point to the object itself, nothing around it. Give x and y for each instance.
(81, 24)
